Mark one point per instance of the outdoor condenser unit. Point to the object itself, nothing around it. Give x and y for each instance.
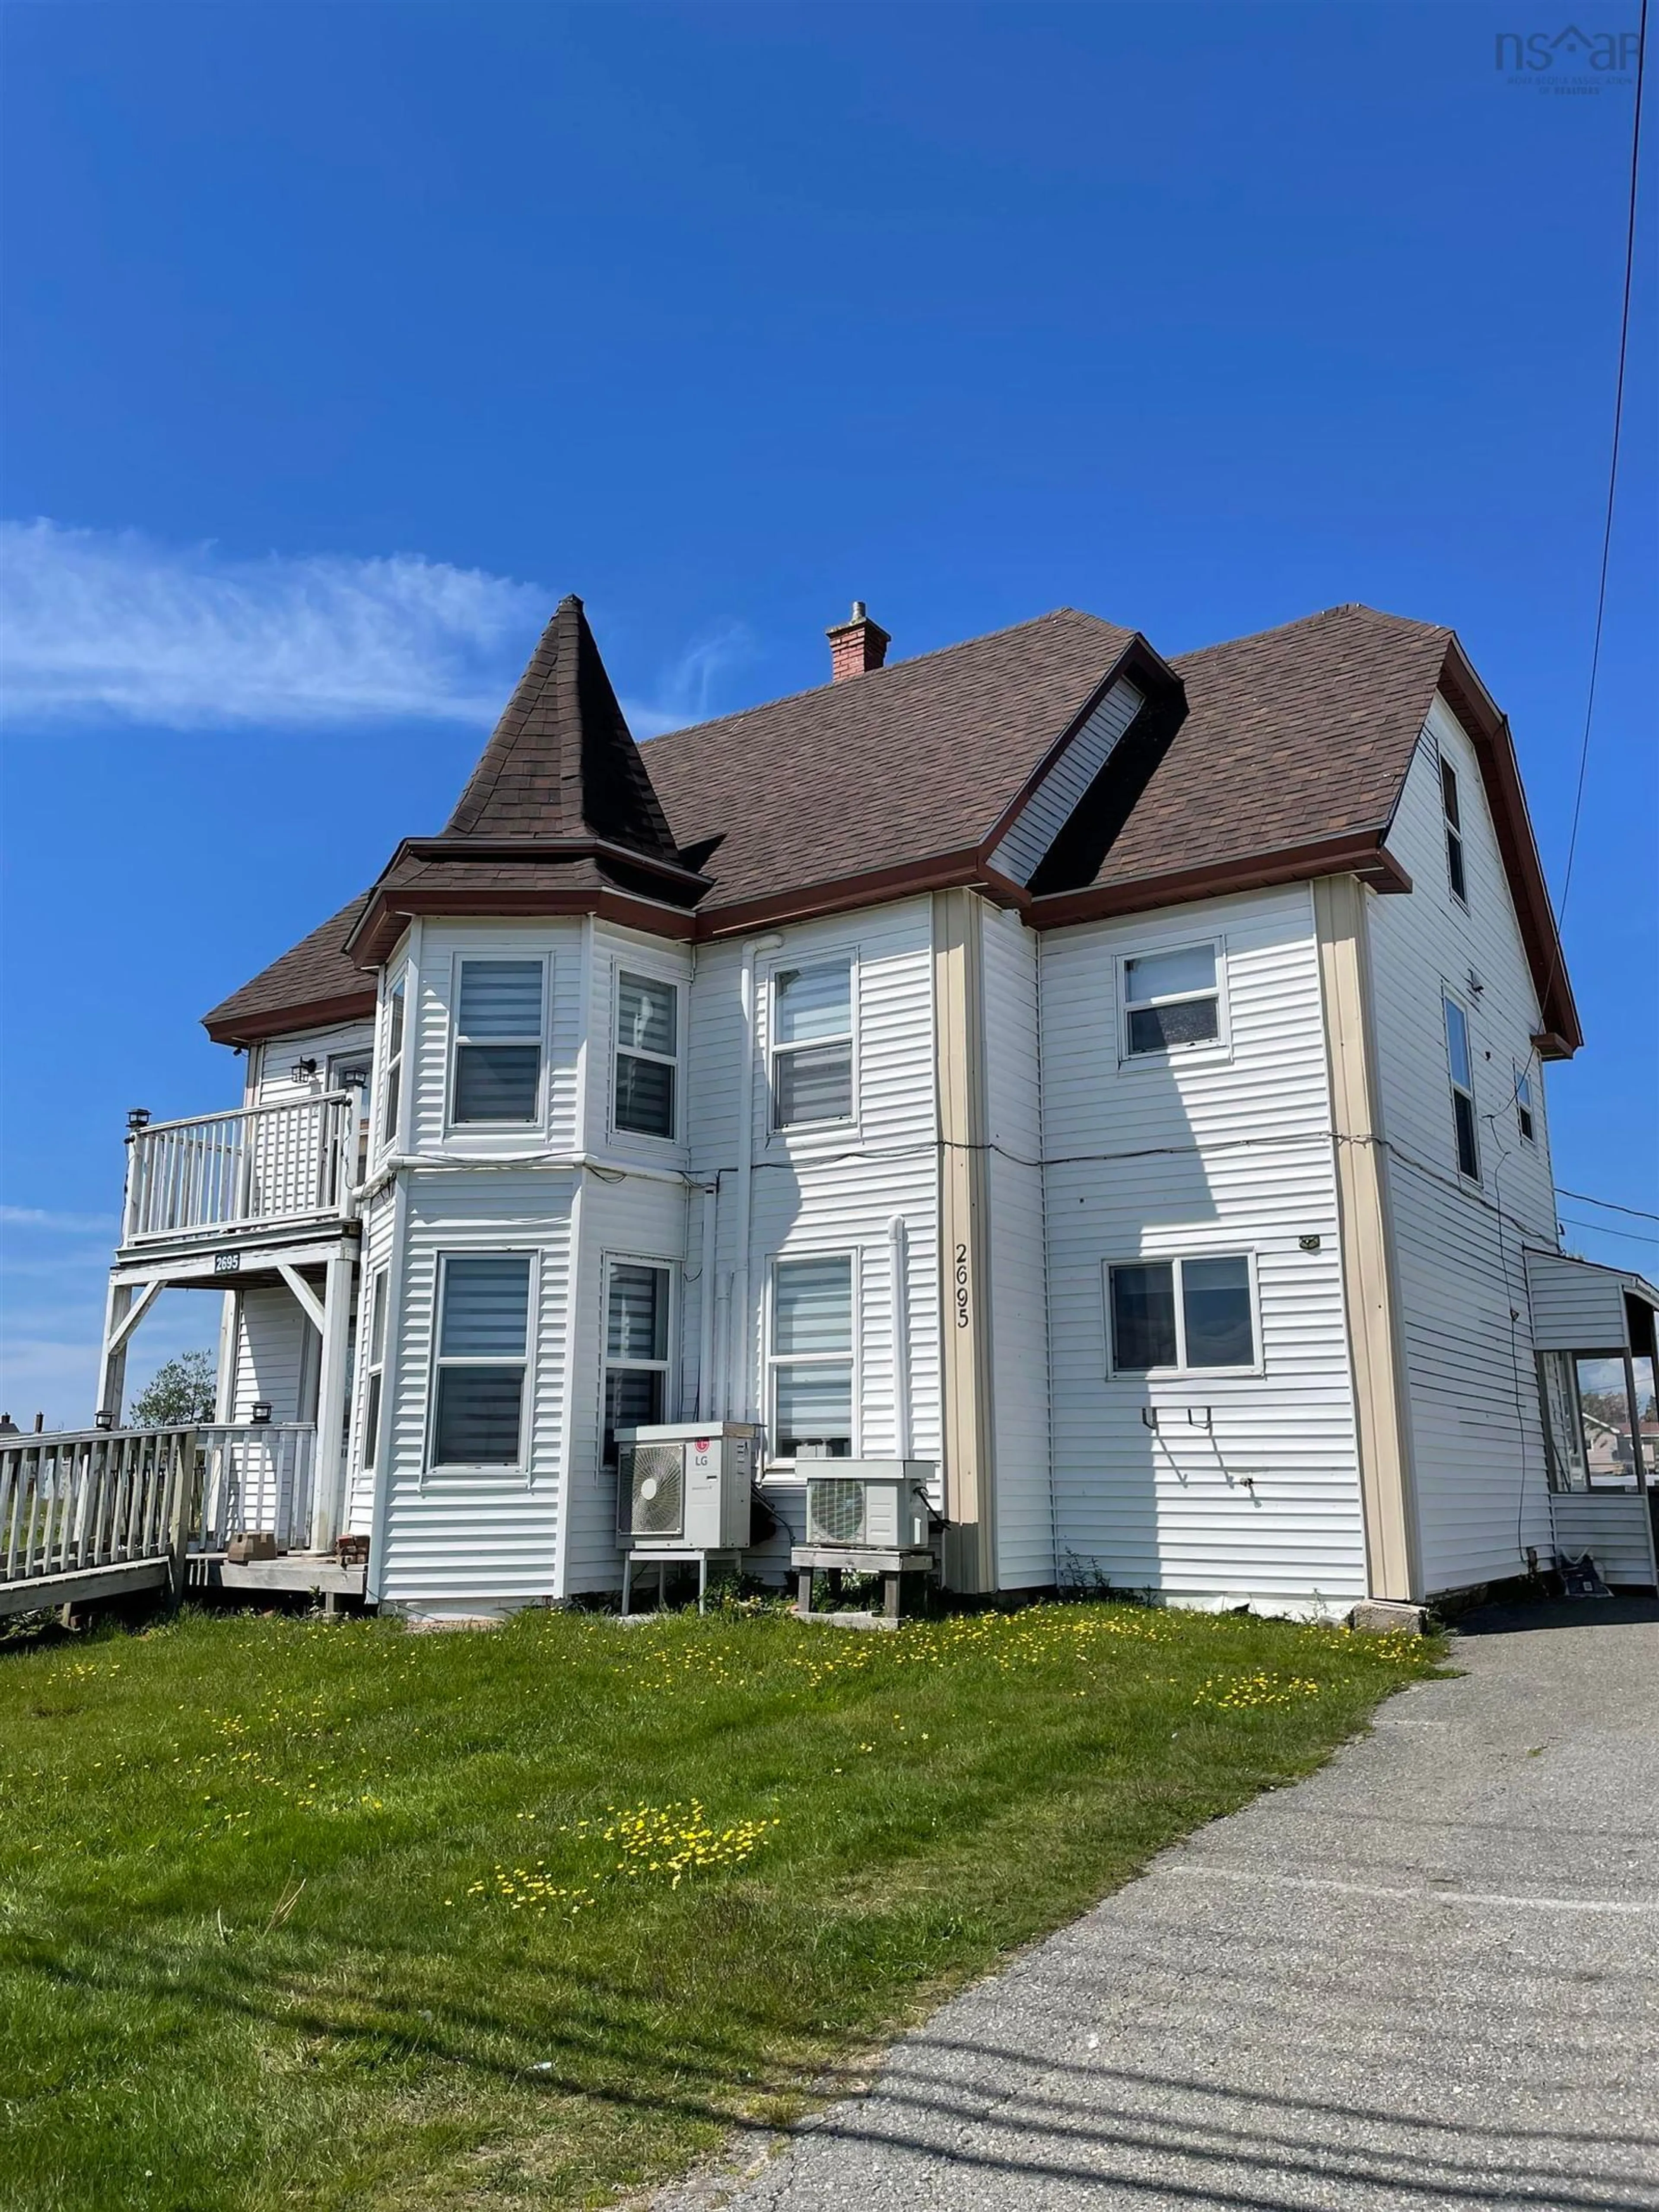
(685, 1483)
(869, 1504)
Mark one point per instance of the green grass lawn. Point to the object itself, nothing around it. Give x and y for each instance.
(305, 1914)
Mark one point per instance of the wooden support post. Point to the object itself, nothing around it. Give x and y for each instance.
(892, 1587)
(180, 1503)
(803, 1591)
(328, 1480)
(112, 1369)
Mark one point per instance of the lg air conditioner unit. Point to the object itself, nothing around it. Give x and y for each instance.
(869, 1505)
(685, 1485)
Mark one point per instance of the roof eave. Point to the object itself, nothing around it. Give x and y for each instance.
(224, 1027)
(1357, 853)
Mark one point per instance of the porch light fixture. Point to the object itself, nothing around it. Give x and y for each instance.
(353, 1079)
(103, 1419)
(303, 1070)
(261, 1412)
(138, 1118)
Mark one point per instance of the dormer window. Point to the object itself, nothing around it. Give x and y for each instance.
(1456, 875)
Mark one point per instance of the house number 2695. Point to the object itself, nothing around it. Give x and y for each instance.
(961, 1286)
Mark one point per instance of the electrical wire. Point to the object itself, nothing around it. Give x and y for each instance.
(1636, 1212)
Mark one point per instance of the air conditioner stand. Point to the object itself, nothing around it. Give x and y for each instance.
(892, 1565)
(670, 1555)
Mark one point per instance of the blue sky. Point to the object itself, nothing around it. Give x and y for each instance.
(343, 339)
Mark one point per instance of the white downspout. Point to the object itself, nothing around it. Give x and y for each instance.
(741, 1393)
(899, 1277)
(706, 1409)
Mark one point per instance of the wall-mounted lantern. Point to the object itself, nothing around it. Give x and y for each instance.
(137, 1119)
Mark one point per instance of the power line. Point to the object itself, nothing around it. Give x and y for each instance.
(1613, 472)
(1636, 1212)
(1634, 1235)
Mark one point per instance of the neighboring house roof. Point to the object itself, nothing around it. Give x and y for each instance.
(1266, 759)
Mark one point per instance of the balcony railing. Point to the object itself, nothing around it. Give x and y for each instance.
(255, 1168)
(93, 1498)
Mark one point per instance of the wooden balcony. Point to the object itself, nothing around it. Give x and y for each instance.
(258, 1167)
(92, 1513)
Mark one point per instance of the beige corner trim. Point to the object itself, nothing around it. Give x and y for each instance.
(1369, 1270)
(964, 1221)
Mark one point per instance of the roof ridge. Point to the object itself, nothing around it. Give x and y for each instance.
(1306, 621)
(892, 668)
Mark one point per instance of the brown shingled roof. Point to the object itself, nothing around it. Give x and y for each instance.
(313, 983)
(883, 768)
(1290, 762)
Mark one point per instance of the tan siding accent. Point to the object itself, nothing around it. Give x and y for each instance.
(965, 1227)
(1370, 1271)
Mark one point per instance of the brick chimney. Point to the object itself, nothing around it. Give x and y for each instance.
(856, 645)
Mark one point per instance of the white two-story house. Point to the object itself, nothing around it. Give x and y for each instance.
(1118, 1081)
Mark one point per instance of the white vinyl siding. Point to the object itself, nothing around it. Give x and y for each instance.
(1477, 1441)
(1051, 806)
(272, 1074)
(1248, 1488)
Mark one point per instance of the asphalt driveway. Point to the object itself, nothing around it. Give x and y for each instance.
(1427, 1976)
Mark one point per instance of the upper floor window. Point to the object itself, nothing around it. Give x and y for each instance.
(1172, 1000)
(647, 1039)
(1180, 1315)
(635, 1349)
(394, 1064)
(812, 1044)
(498, 1042)
(1454, 871)
(811, 1357)
(1462, 1064)
(1523, 1106)
(483, 1353)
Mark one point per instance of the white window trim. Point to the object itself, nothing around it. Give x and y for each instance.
(370, 1434)
(825, 1135)
(1454, 1089)
(384, 1107)
(669, 1364)
(1523, 1075)
(1216, 1048)
(773, 1465)
(537, 1122)
(436, 1361)
(1445, 765)
(1181, 1372)
(675, 982)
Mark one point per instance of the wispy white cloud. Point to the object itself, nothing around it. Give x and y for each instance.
(112, 625)
(70, 1224)
(106, 625)
(687, 691)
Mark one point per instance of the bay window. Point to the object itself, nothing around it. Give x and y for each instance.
(497, 1075)
(482, 1354)
(635, 1349)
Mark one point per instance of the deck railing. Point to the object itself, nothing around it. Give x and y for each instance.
(92, 1498)
(100, 1498)
(252, 1168)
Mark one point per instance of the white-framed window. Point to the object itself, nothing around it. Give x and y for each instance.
(810, 1358)
(1523, 1113)
(483, 1355)
(495, 1079)
(1460, 1061)
(636, 1340)
(391, 1097)
(378, 1291)
(812, 1044)
(648, 1014)
(1191, 1315)
(1457, 875)
(1172, 1001)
